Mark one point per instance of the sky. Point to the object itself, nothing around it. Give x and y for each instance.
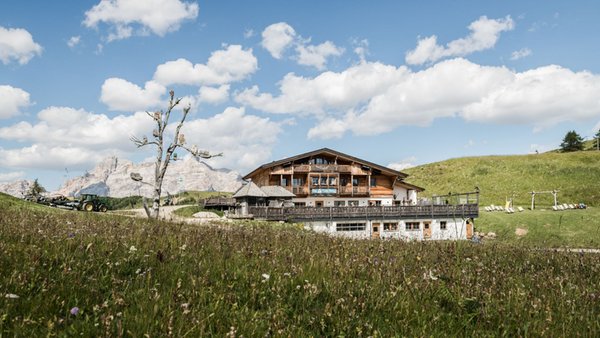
(398, 83)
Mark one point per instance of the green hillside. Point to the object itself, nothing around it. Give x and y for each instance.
(576, 175)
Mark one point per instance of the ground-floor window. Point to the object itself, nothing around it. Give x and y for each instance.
(390, 226)
(352, 203)
(299, 204)
(350, 227)
(443, 225)
(340, 203)
(413, 225)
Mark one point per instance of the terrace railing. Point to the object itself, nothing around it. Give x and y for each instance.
(371, 212)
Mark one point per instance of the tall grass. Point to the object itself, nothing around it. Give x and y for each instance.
(134, 277)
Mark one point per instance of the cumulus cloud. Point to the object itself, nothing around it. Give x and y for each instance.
(12, 101)
(373, 98)
(280, 36)
(519, 54)
(327, 91)
(403, 164)
(316, 56)
(245, 140)
(16, 44)
(277, 37)
(156, 16)
(11, 176)
(74, 41)
(484, 35)
(224, 66)
(214, 95)
(64, 136)
(122, 95)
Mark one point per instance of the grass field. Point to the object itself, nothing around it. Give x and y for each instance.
(545, 228)
(500, 177)
(72, 273)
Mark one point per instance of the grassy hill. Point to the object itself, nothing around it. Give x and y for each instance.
(576, 175)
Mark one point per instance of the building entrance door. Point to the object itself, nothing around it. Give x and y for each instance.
(376, 227)
(426, 230)
(318, 203)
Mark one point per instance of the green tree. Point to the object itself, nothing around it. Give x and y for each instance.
(36, 188)
(572, 142)
(597, 140)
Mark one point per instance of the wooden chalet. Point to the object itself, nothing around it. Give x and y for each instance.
(326, 177)
(343, 195)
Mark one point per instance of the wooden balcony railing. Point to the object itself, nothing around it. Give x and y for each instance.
(354, 190)
(322, 168)
(372, 212)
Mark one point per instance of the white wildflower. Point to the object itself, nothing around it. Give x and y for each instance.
(11, 296)
(132, 249)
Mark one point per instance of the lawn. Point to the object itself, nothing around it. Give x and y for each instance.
(73, 273)
(545, 227)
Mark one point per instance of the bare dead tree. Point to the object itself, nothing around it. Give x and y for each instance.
(165, 155)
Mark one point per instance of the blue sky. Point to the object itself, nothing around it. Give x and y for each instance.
(395, 82)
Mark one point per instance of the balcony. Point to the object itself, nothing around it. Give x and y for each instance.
(298, 214)
(322, 168)
(354, 191)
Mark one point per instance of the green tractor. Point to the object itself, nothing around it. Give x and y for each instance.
(90, 202)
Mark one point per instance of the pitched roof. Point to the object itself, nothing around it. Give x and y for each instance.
(249, 190)
(276, 191)
(330, 152)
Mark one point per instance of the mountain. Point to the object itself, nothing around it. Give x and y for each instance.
(111, 177)
(17, 188)
(576, 175)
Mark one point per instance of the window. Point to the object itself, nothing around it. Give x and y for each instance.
(355, 182)
(284, 182)
(343, 181)
(323, 180)
(298, 182)
(390, 226)
(332, 181)
(443, 225)
(319, 160)
(412, 225)
(340, 203)
(373, 182)
(299, 204)
(350, 227)
(315, 180)
(352, 203)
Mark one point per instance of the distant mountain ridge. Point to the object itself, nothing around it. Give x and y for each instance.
(111, 177)
(17, 188)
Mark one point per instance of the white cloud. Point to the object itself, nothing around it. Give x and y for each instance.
(277, 37)
(41, 156)
(74, 41)
(12, 100)
(521, 53)
(11, 176)
(328, 91)
(17, 44)
(484, 35)
(65, 136)
(403, 164)
(214, 95)
(248, 33)
(316, 56)
(245, 140)
(361, 48)
(280, 36)
(156, 16)
(372, 98)
(224, 66)
(119, 94)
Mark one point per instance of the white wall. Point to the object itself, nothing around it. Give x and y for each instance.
(455, 229)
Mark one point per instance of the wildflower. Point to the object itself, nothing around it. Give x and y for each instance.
(11, 296)
(265, 277)
(74, 311)
(183, 247)
(71, 235)
(132, 249)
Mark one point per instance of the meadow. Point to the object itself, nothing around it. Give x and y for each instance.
(72, 273)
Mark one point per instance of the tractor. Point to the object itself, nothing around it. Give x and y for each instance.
(90, 202)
